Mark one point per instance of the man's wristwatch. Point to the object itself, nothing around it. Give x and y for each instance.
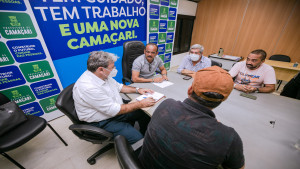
(137, 90)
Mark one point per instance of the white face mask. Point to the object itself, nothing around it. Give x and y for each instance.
(194, 57)
(112, 73)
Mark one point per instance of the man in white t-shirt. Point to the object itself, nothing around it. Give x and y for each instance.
(253, 75)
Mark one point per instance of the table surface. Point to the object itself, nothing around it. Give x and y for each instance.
(265, 146)
(280, 64)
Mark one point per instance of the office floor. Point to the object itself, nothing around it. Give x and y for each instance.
(46, 151)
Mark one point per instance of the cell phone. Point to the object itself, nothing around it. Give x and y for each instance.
(187, 78)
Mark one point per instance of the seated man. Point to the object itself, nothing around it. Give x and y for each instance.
(194, 61)
(98, 102)
(187, 135)
(253, 75)
(144, 66)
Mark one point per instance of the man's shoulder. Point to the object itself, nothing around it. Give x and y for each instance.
(140, 58)
(206, 59)
(267, 67)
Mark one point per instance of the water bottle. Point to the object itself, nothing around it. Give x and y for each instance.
(221, 51)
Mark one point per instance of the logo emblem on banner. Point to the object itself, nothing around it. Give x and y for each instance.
(21, 95)
(162, 38)
(164, 12)
(5, 57)
(16, 25)
(26, 50)
(36, 71)
(153, 38)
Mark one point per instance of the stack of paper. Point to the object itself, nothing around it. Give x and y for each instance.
(156, 96)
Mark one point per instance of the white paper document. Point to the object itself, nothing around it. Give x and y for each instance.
(156, 96)
(164, 84)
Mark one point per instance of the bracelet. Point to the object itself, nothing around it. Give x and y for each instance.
(152, 79)
(137, 90)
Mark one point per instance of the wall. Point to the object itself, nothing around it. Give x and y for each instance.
(242, 26)
(185, 8)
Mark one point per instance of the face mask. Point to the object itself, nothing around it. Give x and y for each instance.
(194, 57)
(112, 73)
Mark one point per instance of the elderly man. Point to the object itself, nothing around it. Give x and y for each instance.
(144, 66)
(253, 75)
(194, 61)
(187, 134)
(98, 102)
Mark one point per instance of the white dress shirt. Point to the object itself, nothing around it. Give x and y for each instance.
(96, 100)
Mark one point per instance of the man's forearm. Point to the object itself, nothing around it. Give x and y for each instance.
(126, 108)
(187, 72)
(128, 89)
(141, 80)
(267, 89)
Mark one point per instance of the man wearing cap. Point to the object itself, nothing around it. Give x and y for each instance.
(144, 66)
(194, 61)
(253, 75)
(187, 135)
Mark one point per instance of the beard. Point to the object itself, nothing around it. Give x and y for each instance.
(249, 66)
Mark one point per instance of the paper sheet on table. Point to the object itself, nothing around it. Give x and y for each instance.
(164, 84)
(156, 96)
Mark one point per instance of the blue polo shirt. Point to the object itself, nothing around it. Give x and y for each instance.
(188, 64)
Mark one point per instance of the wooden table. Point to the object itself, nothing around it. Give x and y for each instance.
(283, 70)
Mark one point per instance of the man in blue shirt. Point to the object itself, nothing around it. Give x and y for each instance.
(194, 61)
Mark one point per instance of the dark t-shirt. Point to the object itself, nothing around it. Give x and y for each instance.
(187, 135)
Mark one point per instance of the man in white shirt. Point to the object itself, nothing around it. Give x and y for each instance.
(253, 75)
(98, 102)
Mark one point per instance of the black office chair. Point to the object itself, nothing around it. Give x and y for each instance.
(215, 63)
(292, 88)
(125, 154)
(283, 58)
(22, 133)
(131, 50)
(84, 131)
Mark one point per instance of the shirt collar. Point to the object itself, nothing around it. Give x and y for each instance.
(95, 78)
(198, 106)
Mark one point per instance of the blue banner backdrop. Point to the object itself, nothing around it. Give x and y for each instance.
(75, 28)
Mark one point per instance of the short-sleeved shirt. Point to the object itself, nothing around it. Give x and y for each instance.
(185, 135)
(265, 74)
(187, 63)
(145, 68)
(95, 99)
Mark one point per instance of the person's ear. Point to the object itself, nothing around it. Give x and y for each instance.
(190, 90)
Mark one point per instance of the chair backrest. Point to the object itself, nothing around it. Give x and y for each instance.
(125, 154)
(3, 99)
(215, 63)
(65, 104)
(292, 88)
(131, 50)
(282, 58)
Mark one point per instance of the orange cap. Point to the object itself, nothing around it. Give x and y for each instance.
(212, 79)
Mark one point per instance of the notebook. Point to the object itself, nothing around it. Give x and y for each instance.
(156, 96)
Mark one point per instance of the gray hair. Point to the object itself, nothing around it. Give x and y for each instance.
(100, 59)
(197, 46)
